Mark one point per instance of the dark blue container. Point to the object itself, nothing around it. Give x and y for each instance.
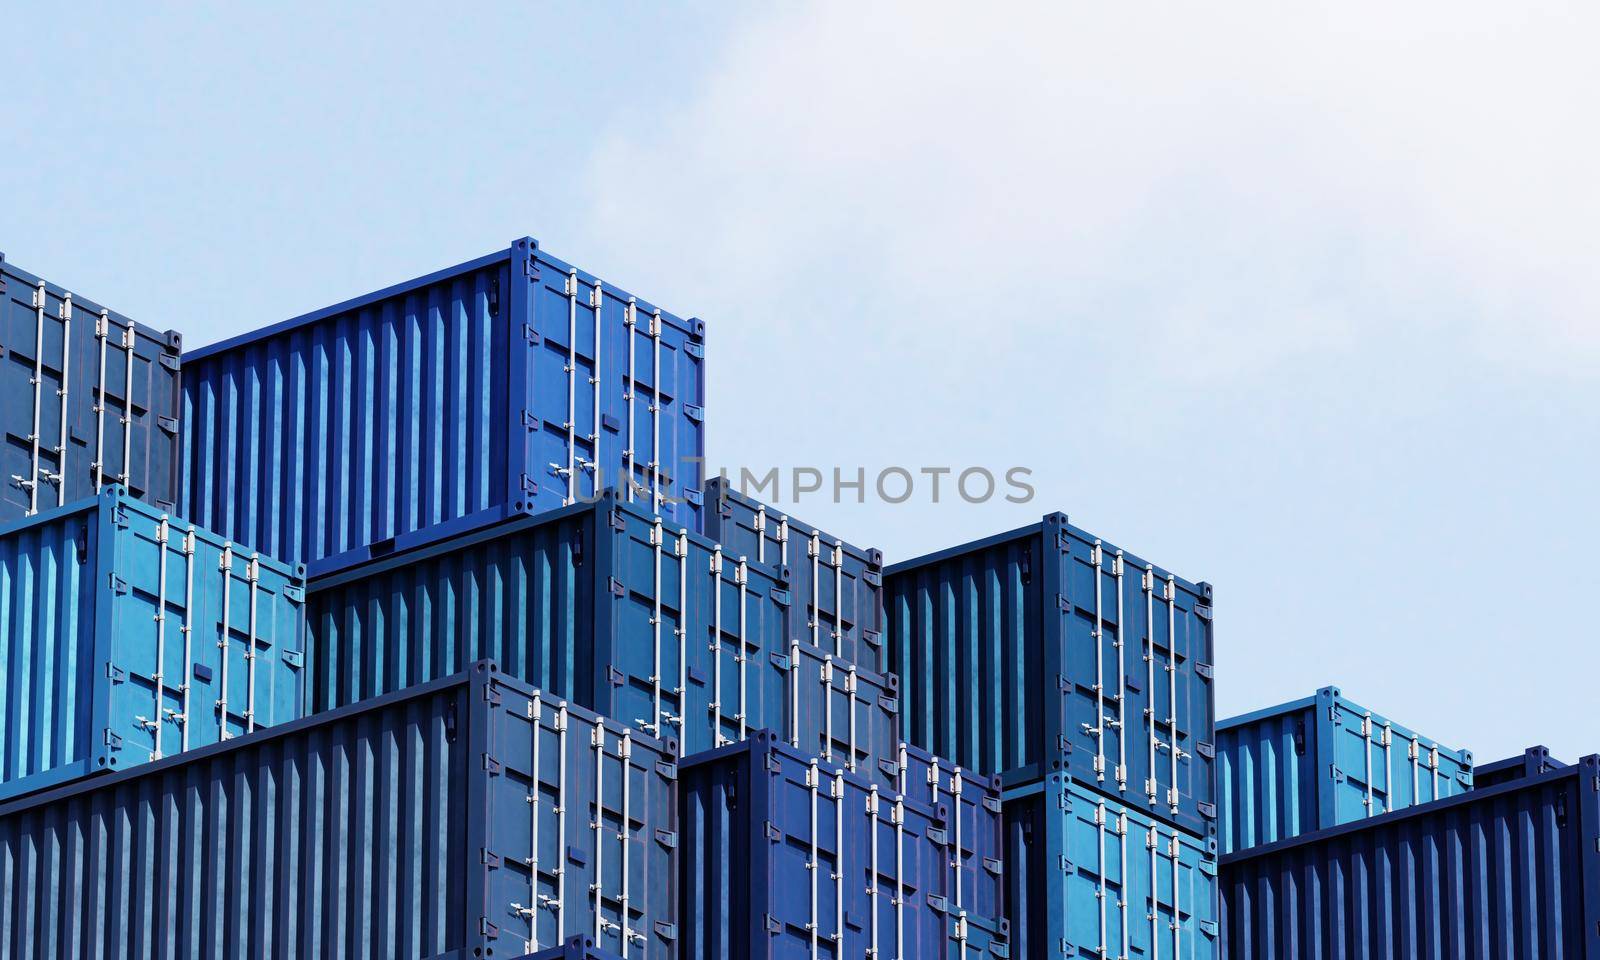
(577, 948)
(1530, 763)
(472, 816)
(974, 823)
(610, 605)
(1087, 876)
(509, 384)
(88, 399)
(1045, 650)
(1322, 761)
(786, 856)
(837, 587)
(1511, 871)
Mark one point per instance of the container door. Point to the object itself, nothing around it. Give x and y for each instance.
(581, 832)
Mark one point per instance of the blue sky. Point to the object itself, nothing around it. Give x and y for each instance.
(1301, 303)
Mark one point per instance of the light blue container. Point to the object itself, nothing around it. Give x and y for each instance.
(1087, 876)
(127, 634)
(1321, 762)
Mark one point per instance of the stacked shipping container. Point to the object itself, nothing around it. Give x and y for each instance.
(127, 634)
(570, 703)
(90, 398)
(1080, 674)
(1323, 761)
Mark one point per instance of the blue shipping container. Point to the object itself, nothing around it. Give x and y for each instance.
(472, 814)
(88, 398)
(838, 587)
(974, 824)
(1512, 872)
(1530, 763)
(1090, 877)
(576, 948)
(609, 605)
(127, 634)
(1322, 761)
(513, 383)
(785, 856)
(1046, 650)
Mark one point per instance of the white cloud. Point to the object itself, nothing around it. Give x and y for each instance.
(1242, 186)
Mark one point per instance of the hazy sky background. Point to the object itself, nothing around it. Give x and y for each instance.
(1302, 303)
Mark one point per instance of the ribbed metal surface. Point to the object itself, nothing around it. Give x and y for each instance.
(1509, 872)
(785, 856)
(837, 587)
(1089, 877)
(612, 607)
(411, 826)
(454, 399)
(519, 593)
(128, 634)
(1322, 761)
(88, 398)
(1044, 650)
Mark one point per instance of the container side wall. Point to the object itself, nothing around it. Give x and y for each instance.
(1504, 873)
(523, 597)
(107, 391)
(1268, 777)
(339, 838)
(49, 662)
(362, 426)
(965, 639)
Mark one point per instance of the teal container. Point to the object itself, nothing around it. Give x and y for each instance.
(1088, 876)
(1321, 762)
(128, 634)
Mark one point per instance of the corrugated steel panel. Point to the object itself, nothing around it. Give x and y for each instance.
(1322, 761)
(1530, 763)
(609, 605)
(1509, 872)
(838, 587)
(1090, 877)
(1045, 649)
(88, 398)
(786, 856)
(472, 814)
(509, 384)
(127, 634)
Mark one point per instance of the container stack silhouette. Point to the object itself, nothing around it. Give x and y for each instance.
(410, 628)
